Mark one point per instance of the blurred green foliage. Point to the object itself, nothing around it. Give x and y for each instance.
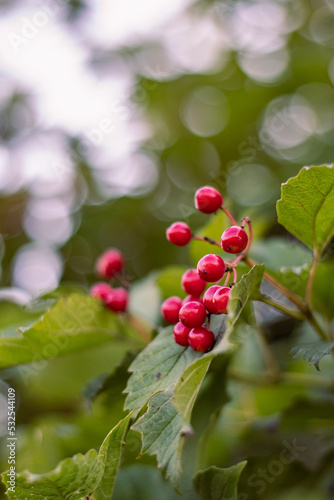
(239, 123)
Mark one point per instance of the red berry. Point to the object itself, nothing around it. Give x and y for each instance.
(211, 268)
(101, 290)
(191, 298)
(221, 298)
(192, 314)
(180, 334)
(192, 283)
(179, 234)
(208, 299)
(110, 263)
(208, 200)
(234, 239)
(118, 300)
(170, 309)
(201, 339)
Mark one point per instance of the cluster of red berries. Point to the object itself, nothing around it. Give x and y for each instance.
(190, 315)
(110, 265)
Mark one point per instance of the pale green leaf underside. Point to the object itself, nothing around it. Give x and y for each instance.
(77, 477)
(314, 351)
(306, 207)
(216, 483)
(73, 323)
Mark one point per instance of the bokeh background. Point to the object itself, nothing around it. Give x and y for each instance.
(111, 115)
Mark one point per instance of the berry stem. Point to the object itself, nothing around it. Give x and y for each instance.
(235, 262)
(235, 276)
(229, 215)
(250, 233)
(310, 279)
(207, 239)
(313, 321)
(281, 307)
(302, 306)
(229, 272)
(285, 291)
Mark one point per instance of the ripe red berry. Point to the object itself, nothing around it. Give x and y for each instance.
(221, 298)
(192, 314)
(118, 300)
(211, 268)
(101, 290)
(201, 339)
(208, 299)
(110, 263)
(192, 283)
(179, 233)
(170, 309)
(180, 334)
(191, 298)
(234, 239)
(208, 200)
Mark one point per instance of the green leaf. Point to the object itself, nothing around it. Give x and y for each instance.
(314, 352)
(288, 262)
(77, 477)
(246, 289)
(162, 432)
(158, 366)
(156, 370)
(188, 386)
(306, 208)
(110, 455)
(216, 483)
(73, 323)
(13, 316)
(165, 366)
(277, 253)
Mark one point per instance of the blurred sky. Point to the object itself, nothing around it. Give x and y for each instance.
(57, 86)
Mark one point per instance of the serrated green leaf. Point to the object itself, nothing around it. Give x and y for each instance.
(167, 419)
(158, 366)
(110, 455)
(73, 323)
(77, 477)
(306, 208)
(216, 483)
(163, 433)
(314, 352)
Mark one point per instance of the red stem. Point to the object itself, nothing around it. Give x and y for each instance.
(229, 215)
